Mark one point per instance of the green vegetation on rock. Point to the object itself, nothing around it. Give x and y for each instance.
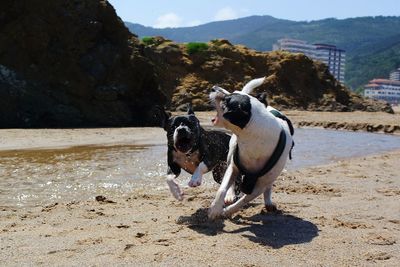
(195, 47)
(148, 40)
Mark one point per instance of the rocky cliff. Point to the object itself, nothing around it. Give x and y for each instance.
(293, 80)
(71, 64)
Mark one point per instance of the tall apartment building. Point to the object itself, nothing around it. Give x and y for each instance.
(333, 57)
(395, 75)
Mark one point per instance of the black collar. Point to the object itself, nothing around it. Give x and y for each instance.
(250, 179)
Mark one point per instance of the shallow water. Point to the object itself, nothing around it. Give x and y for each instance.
(40, 177)
(318, 146)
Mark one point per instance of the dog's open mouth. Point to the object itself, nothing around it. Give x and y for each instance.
(216, 98)
(184, 144)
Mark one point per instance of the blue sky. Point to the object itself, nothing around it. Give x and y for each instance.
(182, 13)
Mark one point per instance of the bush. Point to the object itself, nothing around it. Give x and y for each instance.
(147, 40)
(192, 48)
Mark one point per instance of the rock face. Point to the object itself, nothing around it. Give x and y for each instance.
(71, 64)
(293, 80)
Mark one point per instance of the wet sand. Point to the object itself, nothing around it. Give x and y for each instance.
(15, 139)
(345, 213)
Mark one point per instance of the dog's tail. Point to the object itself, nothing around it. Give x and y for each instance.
(248, 88)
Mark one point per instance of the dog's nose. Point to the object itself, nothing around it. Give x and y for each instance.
(214, 89)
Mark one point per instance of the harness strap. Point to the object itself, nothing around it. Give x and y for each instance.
(250, 179)
(283, 117)
(291, 129)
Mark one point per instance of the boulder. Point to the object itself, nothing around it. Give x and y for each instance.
(72, 64)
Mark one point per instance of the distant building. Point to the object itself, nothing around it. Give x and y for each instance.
(333, 57)
(383, 89)
(395, 75)
(296, 46)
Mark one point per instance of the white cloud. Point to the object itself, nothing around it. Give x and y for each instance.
(168, 20)
(226, 13)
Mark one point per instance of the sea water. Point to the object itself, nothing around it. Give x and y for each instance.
(44, 176)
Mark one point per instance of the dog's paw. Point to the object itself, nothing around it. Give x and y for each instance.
(271, 207)
(230, 196)
(195, 181)
(215, 211)
(175, 189)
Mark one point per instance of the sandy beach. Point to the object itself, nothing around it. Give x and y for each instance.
(346, 213)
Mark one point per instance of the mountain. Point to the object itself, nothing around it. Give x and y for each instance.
(374, 61)
(233, 30)
(365, 39)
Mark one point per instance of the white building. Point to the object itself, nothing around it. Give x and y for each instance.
(383, 89)
(395, 75)
(333, 57)
(296, 46)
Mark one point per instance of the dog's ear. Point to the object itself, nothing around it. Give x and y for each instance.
(190, 109)
(163, 116)
(262, 97)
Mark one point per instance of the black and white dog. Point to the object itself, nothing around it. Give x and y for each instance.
(258, 149)
(194, 149)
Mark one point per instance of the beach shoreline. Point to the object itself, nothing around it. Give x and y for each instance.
(16, 139)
